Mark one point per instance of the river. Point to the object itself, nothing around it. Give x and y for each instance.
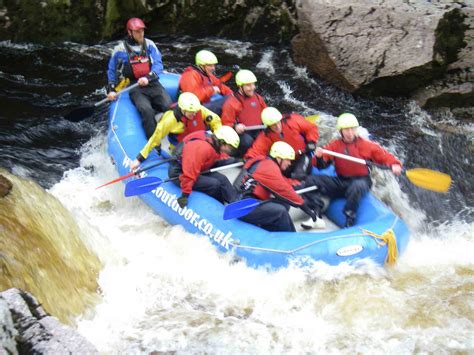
(163, 289)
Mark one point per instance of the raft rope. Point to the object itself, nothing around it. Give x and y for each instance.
(112, 124)
(389, 239)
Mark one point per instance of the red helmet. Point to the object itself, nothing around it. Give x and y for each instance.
(135, 24)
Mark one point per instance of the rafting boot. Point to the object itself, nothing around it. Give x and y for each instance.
(350, 218)
(316, 224)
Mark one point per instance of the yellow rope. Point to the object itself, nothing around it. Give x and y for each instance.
(387, 238)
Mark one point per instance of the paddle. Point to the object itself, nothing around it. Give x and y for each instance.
(424, 178)
(137, 172)
(245, 206)
(81, 112)
(311, 119)
(149, 183)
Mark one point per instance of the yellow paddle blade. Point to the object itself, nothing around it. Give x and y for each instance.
(429, 179)
(312, 118)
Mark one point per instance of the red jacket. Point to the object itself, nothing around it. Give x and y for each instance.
(360, 148)
(198, 155)
(268, 173)
(296, 131)
(195, 81)
(243, 109)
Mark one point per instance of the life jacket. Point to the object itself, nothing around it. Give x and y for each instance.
(244, 182)
(287, 134)
(251, 109)
(195, 136)
(190, 126)
(140, 64)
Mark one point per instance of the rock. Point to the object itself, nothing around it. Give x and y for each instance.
(8, 332)
(5, 186)
(388, 47)
(53, 21)
(35, 331)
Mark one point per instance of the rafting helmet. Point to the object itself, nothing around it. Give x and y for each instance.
(282, 150)
(270, 116)
(244, 77)
(228, 135)
(187, 101)
(135, 24)
(347, 120)
(204, 57)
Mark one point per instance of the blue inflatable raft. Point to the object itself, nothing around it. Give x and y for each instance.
(378, 234)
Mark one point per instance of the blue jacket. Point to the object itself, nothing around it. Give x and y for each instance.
(120, 57)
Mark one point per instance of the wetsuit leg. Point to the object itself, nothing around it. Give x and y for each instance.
(142, 102)
(160, 100)
(356, 188)
(272, 217)
(215, 185)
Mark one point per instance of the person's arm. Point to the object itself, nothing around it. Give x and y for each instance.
(261, 146)
(192, 164)
(156, 61)
(191, 81)
(381, 156)
(310, 131)
(271, 178)
(230, 111)
(321, 160)
(166, 125)
(210, 119)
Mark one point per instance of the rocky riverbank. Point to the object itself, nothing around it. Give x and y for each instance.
(27, 329)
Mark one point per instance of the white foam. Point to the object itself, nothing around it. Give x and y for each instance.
(164, 289)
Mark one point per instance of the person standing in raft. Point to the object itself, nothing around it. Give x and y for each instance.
(198, 152)
(202, 82)
(244, 109)
(137, 59)
(263, 177)
(293, 129)
(187, 117)
(353, 179)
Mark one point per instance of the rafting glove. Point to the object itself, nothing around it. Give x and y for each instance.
(310, 147)
(305, 208)
(183, 200)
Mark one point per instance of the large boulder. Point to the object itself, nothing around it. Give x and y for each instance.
(389, 47)
(28, 329)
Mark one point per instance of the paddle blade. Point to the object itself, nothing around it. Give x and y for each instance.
(80, 113)
(429, 179)
(226, 77)
(141, 186)
(240, 208)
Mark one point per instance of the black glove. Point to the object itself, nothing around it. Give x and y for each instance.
(183, 200)
(158, 149)
(309, 211)
(310, 147)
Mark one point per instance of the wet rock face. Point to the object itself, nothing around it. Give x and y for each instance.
(388, 47)
(93, 20)
(5, 186)
(28, 329)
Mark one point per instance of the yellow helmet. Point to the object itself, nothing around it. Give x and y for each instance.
(270, 116)
(228, 135)
(189, 102)
(244, 77)
(204, 57)
(282, 150)
(347, 120)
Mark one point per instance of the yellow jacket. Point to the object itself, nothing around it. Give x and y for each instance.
(170, 124)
